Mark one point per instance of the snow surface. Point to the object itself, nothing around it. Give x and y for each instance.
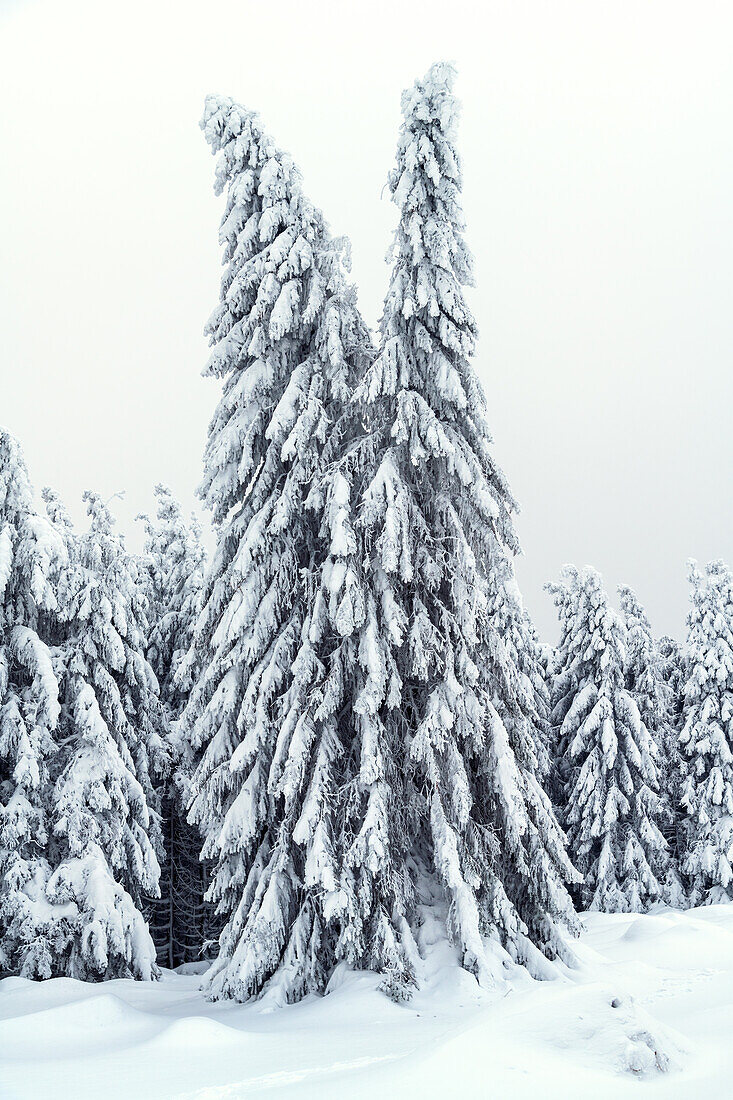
(649, 1009)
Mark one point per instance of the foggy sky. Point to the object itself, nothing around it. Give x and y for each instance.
(598, 165)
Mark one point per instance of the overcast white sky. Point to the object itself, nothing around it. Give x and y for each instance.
(597, 142)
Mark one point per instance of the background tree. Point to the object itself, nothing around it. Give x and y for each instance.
(174, 558)
(706, 736)
(670, 655)
(652, 693)
(74, 849)
(612, 796)
(562, 674)
(31, 553)
(111, 737)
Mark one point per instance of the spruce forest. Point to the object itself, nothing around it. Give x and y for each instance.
(340, 731)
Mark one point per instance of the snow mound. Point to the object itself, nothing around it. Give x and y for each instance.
(198, 967)
(73, 1026)
(647, 928)
(201, 1032)
(25, 997)
(672, 939)
(10, 985)
(611, 1030)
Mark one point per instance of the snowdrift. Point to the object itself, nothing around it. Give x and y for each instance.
(651, 1000)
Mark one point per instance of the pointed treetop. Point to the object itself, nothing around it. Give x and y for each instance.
(432, 99)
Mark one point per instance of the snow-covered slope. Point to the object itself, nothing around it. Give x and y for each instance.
(652, 998)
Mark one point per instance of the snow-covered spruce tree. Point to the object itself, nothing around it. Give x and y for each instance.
(670, 657)
(612, 802)
(706, 737)
(174, 562)
(646, 682)
(533, 660)
(446, 724)
(671, 660)
(110, 735)
(543, 664)
(61, 910)
(562, 682)
(288, 342)
(31, 552)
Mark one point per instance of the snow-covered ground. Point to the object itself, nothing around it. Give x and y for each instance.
(649, 1008)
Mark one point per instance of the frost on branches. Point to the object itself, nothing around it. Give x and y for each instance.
(706, 736)
(181, 922)
(612, 801)
(286, 340)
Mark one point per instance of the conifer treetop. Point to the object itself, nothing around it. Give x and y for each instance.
(427, 331)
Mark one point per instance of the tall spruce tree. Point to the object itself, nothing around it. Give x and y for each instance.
(181, 922)
(446, 723)
(706, 737)
(612, 802)
(288, 342)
